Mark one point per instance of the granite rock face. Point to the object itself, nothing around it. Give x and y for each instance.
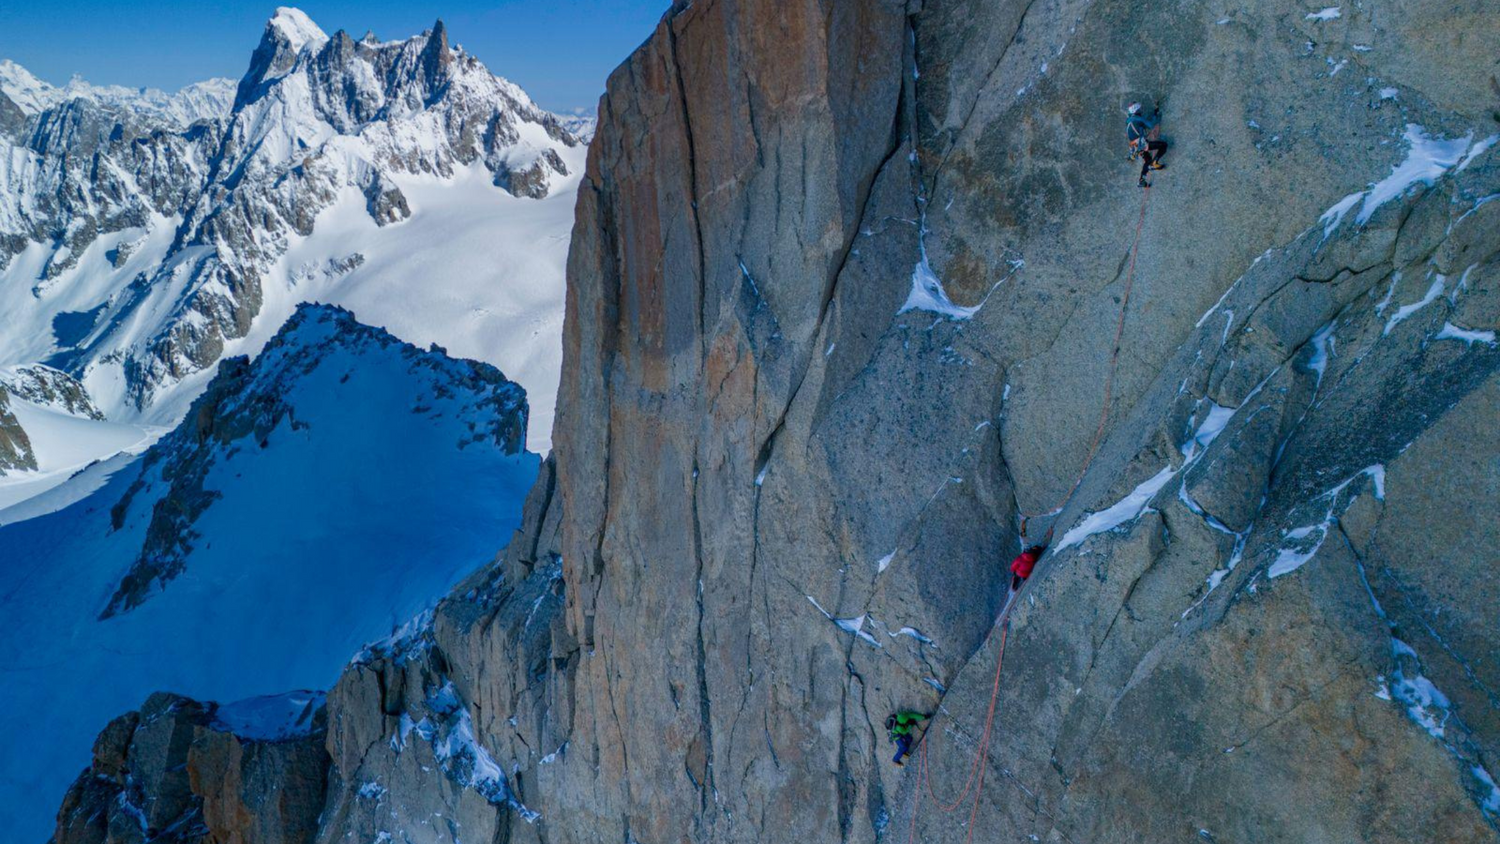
(858, 287)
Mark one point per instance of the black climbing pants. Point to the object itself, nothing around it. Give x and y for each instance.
(1152, 153)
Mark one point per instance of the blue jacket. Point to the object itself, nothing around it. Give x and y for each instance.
(1139, 125)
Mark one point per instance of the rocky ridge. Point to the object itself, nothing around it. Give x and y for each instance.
(52, 388)
(207, 100)
(248, 401)
(180, 771)
(841, 296)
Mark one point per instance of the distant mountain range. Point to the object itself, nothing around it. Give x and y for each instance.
(146, 235)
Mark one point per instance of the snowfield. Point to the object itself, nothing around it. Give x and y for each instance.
(475, 270)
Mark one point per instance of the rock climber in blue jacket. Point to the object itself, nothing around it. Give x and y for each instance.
(1144, 135)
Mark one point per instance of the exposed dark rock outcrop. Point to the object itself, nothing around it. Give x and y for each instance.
(52, 388)
(174, 773)
(15, 446)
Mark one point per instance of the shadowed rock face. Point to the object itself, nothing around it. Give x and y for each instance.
(783, 501)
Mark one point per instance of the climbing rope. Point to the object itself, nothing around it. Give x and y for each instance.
(977, 768)
(981, 753)
(1109, 379)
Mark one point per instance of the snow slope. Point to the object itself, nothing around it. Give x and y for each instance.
(65, 444)
(474, 269)
(339, 463)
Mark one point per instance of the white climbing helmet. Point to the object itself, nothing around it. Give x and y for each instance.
(1133, 108)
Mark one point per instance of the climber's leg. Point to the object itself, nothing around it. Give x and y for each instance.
(903, 747)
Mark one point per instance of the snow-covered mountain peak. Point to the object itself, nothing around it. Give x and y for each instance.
(23, 88)
(296, 27)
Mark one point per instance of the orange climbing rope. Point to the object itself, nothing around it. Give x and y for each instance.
(1109, 379)
(977, 768)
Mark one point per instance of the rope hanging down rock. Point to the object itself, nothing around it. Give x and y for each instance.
(981, 753)
(975, 779)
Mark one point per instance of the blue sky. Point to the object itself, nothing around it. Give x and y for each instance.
(560, 51)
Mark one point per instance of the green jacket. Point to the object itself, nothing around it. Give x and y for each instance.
(905, 722)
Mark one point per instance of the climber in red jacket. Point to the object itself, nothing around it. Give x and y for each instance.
(1021, 566)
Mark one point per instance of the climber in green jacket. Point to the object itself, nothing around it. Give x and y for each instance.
(1144, 135)
(900, 726)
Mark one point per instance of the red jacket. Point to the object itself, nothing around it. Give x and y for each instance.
(1024, 562)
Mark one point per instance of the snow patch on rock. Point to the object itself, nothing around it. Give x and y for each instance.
(1427, 159)
(271, 717)
(1467, 335)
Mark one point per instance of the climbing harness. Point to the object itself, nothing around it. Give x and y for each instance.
(977, 768)
(1109, 379)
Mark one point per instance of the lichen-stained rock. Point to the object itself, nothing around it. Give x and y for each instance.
(259, 791)
(809, 516)
(769, 543)
(736, 166)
